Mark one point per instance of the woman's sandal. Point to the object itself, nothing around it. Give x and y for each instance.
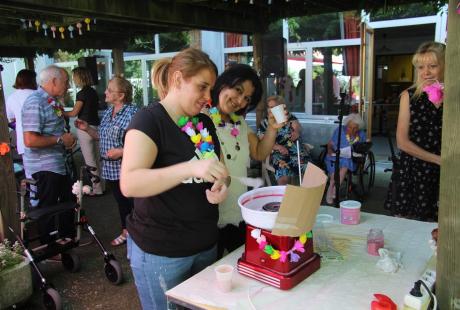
(118, 240)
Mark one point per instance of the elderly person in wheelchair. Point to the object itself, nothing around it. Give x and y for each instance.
(351, 137)
(283, 157)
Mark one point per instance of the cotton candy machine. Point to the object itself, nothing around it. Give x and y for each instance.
(280, 261)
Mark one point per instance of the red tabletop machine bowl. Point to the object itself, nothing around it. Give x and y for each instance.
(259, 210)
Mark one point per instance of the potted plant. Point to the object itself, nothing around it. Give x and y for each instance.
(15, 275)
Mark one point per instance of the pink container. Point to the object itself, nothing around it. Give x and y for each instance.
(350, 212)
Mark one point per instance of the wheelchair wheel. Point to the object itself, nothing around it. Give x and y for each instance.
(71, 261)
(113, 271)
(367, 173)
(52, 300)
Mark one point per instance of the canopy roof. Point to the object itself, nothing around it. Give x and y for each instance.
(119, 20)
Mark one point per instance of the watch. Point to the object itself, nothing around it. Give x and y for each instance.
(59, 141)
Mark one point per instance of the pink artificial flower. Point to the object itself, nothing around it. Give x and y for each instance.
(298, 246)
(283, 256)
(234, 132)
(199, 126)
(262, 245)
(435, 93)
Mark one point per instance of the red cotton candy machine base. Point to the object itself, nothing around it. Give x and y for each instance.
(256, 264)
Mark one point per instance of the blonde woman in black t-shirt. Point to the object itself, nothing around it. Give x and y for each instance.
(171, 166)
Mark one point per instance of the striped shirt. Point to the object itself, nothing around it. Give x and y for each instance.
(112, 132)
(39, 116)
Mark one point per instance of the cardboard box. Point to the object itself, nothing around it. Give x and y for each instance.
(300, 204)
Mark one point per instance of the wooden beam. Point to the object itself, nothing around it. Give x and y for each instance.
(448, 265)
(8, 198)
(144, 13)
(89, 40)
(118, 63)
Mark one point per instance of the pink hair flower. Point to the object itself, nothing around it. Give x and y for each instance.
(199, 126)
(435, 93)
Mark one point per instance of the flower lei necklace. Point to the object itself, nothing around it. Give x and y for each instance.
(234, 120)
(299, 246)
(202, 140)
(57, 107)
(356, 139)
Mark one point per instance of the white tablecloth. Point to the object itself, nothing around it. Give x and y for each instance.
(339, 284)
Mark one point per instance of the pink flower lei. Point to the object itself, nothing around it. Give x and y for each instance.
(202, 140)
(57, 107)
(234, 120)
(299, 246)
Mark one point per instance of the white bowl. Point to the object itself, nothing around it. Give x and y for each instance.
(251, 204)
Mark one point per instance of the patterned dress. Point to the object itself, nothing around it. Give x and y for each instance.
(286, 165)
(414, 189)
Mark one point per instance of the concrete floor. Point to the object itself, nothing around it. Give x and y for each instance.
(89, 289)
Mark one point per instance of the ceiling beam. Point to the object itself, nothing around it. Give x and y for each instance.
(145, 12)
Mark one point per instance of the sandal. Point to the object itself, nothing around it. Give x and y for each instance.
(118, 240)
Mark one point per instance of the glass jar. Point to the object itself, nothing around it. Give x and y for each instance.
(375, 241)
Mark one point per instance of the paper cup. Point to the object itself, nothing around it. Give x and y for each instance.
(278, 113)
(224, 274)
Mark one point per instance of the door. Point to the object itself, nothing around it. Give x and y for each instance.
(366, 93)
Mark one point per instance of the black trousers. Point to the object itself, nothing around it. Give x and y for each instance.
(231, 237)
(125, 204)
(53, 188)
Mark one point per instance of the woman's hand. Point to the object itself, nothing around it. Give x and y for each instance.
(283, 150)
(217, 193)
(81, 124)
(272, 121)
(114, 154)
(210, 170)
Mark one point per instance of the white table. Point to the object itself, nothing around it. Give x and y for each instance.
(339, 284)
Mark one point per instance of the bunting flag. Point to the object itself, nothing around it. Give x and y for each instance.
(57, 31)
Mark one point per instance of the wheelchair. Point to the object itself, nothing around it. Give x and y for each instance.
(67, 221)
(364, 160)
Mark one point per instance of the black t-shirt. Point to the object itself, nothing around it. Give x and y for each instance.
(179, 222)
(90, 101)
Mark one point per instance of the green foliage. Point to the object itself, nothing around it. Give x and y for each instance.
(426, 8)
(314, 28)
(10, 255)
(64, 56)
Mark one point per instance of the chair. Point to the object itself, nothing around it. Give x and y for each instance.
(365, 169)
(268, 172)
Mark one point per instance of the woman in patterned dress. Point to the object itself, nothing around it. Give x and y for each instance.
(418, 135)
(284, 154)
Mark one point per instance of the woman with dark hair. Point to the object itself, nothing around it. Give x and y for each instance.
(237, 91)
(86, 106)
(26, 83)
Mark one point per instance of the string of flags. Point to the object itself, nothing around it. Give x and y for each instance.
(58, 30)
